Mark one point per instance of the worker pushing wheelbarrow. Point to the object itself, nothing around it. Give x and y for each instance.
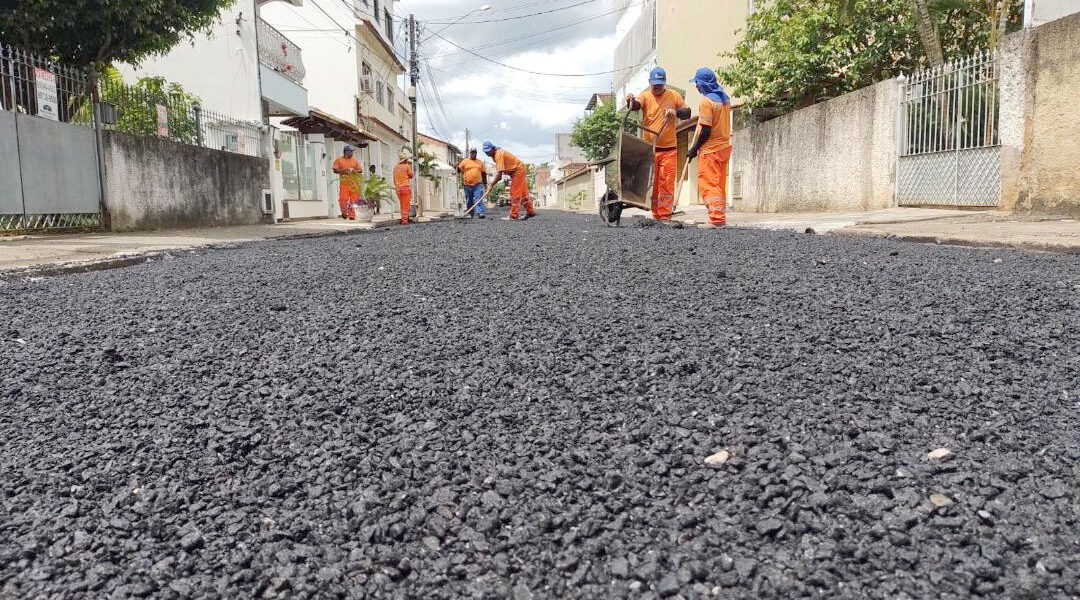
(647, 162)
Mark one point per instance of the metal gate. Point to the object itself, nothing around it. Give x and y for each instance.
(49, 166)
(949, 149)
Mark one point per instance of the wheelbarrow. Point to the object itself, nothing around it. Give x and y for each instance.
(629, 174)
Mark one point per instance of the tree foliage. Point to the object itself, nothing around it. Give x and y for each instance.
(92, 33)
(597, 133)
(798, 52)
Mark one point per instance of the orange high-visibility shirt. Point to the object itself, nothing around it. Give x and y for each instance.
(718, 116)
(472, 171)
(342, 163)
(653, 108)
(402, 174)
(504, 161)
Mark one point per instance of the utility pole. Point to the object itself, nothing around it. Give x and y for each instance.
(461, 204)
(414, 79)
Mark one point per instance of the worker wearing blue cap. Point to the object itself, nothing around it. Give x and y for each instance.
(509, 165)
(351, 176)
(659, 108)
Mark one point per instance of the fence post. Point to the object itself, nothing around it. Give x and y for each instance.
(198, 125)
(99, 146)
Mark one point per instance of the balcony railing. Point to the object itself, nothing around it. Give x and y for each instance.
(279, 53)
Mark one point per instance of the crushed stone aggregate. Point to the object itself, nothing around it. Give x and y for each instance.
(523, 410)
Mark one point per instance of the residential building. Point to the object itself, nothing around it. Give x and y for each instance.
(260, 74)
(544, 191)
(353, 74)
(678, 35)
(446, 194)
(566, 156)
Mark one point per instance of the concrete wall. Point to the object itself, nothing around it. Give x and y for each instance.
(153, 183)
(839, 155)
(1040, 125)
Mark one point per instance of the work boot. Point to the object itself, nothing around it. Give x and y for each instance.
(527, 217)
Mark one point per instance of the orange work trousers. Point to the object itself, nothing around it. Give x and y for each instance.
(404, 195)
(519, 195)
(663, 194)
(712, 183)
(347, 203)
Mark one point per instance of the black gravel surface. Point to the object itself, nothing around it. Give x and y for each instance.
(524, 410)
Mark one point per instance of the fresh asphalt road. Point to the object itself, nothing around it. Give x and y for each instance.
(523, 410)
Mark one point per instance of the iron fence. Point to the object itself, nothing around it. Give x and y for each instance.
(34, 85)
(952, 107)
(155, 108)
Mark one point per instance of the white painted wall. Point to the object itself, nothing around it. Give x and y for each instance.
(329, 55)
(220, 67)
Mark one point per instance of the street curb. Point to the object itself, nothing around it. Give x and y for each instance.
(961, 242)
(134, 258)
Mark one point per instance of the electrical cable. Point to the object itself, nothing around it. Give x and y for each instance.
(500, 20)
(482, 57)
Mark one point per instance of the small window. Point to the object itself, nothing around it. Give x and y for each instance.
(378, 91)
(390, 98)
(367, 69)
(377, 11)
(389, 24)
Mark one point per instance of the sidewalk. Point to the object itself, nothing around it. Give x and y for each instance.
(979, 228)
(53, 253)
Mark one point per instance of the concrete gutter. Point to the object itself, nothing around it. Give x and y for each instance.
(48, 255)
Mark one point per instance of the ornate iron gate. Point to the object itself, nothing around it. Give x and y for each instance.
(949, 145)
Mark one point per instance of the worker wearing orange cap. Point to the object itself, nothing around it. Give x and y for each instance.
(659, 108)
(403, 174)
(508, 164)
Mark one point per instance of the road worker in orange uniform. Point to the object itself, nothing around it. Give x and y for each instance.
(474, 177)
(659, 108)
(403, 174)
(508, 164)
(348, 197)
(712, 144)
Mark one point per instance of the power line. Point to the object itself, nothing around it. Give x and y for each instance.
(544, 33)
(482, 57)
(500, 20)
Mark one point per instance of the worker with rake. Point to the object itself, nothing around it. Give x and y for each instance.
(508, 164)
(659, 108)
(351, 183)
(712, 144)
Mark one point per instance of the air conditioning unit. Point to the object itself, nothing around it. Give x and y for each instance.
(365, 85)
(267, 202)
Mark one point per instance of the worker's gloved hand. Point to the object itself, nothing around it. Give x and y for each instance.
(629, 100)
(691, 155)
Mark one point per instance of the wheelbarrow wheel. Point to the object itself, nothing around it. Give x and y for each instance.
(610, 208)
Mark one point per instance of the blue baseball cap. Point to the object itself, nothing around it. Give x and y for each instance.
(348, 148)
(488, 147)
(658, 76)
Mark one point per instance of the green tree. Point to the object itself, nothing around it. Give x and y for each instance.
(427, 166)
(799, 52)
(597, 133)
(94, 34)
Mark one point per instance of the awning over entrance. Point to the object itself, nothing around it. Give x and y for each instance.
(332, 127)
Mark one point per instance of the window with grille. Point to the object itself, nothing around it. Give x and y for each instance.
(379, 91)
(390, 98)
(389, 24)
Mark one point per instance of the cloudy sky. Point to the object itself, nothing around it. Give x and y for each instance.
(512, 108)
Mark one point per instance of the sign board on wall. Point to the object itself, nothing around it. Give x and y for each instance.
(162, 120)
(45, 84)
